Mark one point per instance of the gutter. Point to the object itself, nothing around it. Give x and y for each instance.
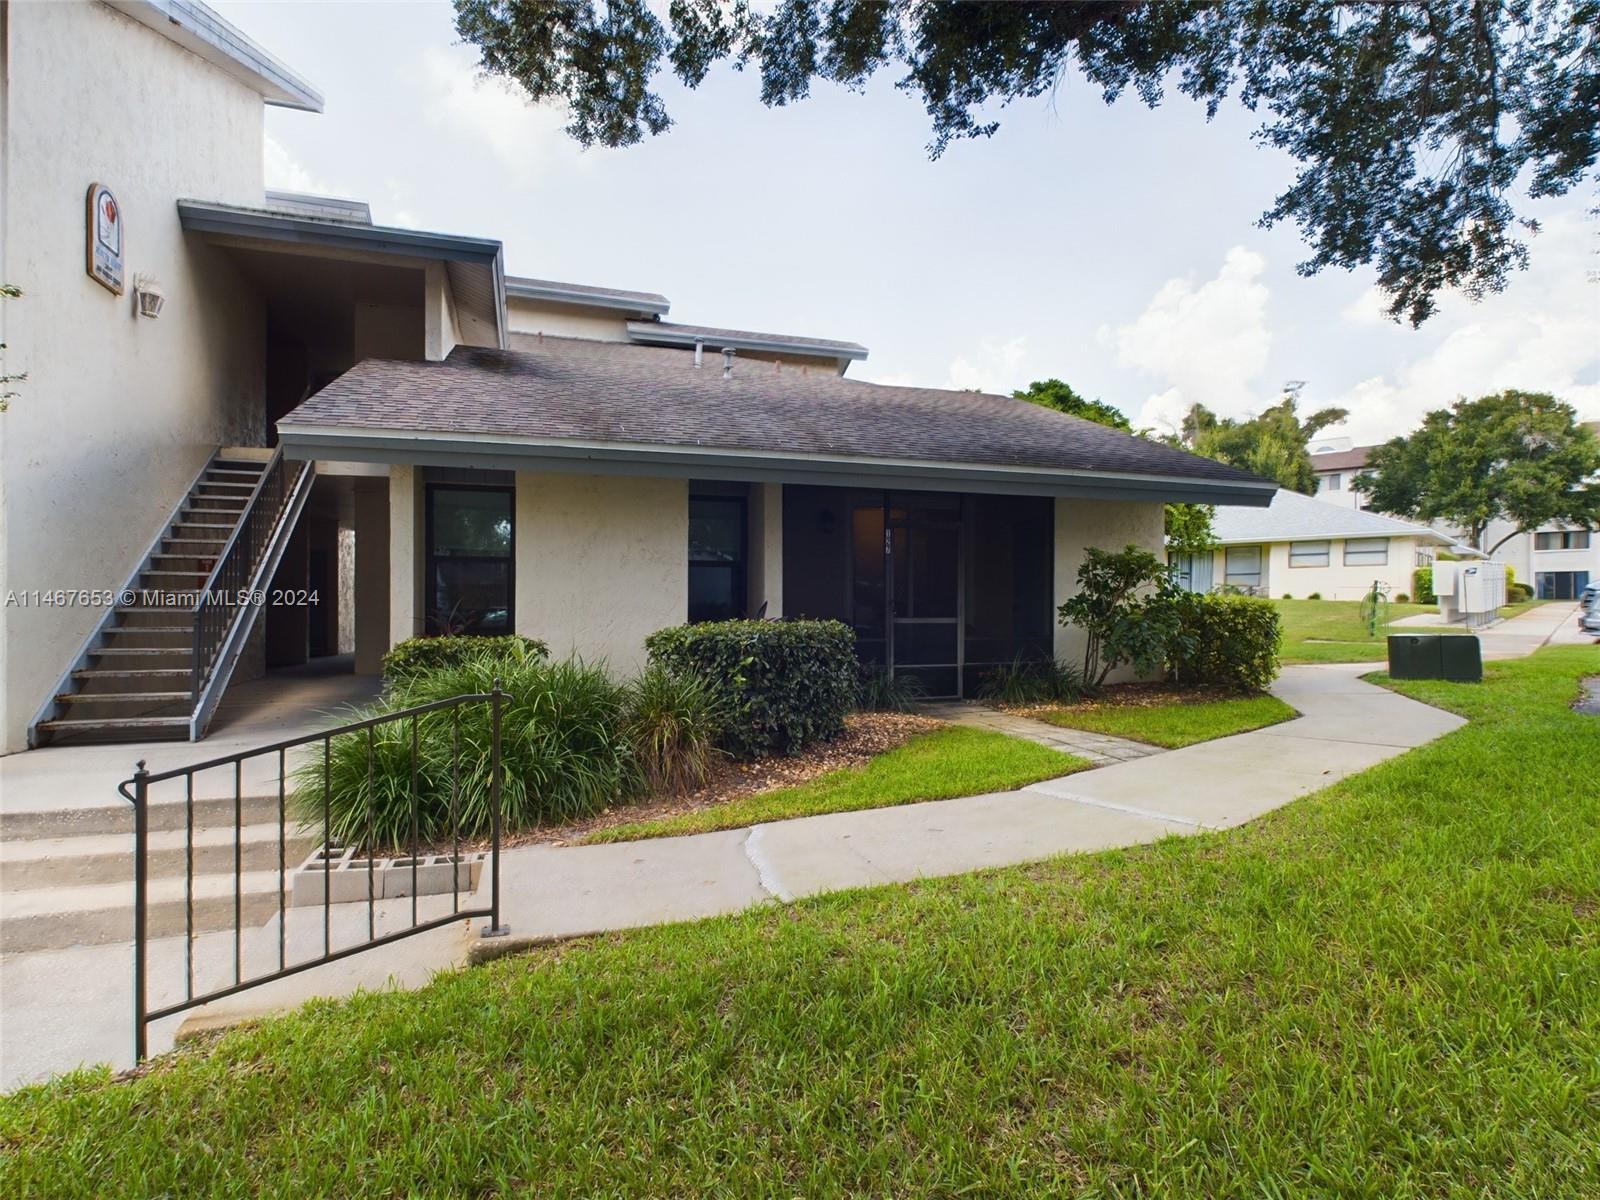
(510, 452)
(650, 333)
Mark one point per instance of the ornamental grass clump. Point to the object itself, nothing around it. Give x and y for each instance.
(564, 750)
(673, 723)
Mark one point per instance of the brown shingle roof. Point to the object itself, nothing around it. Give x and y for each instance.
(1342, 460)
(614, 393)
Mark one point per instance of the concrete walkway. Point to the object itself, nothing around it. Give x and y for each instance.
(1515, 637)
(74, 1003)
(1098, 748)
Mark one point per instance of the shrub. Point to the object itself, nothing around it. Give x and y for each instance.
(1422, 585)
(1402, 598)
(673, 722)
(1516, 593)
(564, 755)
(782, 684)
(1287, 596)
(1126, 607)
(1228, 642)
(416, 655)
(1314, 596)
(1026, 680)
(879, 691)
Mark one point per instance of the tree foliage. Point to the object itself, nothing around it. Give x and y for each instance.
(1519, 457)
(1052, 393)
(1273, 443)
(1412, 124)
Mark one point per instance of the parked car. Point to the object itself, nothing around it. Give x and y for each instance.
(1589, 609)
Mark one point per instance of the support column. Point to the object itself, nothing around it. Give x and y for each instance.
(407, 613)
(372, 630)
(765, 550)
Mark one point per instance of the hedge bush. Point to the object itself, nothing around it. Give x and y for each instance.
(417, 655)
(782, 685)
(1227, 641)
(1422, 585)
(1516, 593)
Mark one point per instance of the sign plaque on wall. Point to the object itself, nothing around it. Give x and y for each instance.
(104, 234)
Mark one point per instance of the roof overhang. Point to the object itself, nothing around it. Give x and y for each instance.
(635, 303)
(475, 266)
(509, 453)
(652, 333)
(202, 32)
(1419, 531)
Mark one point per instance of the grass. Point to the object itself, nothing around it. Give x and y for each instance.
(955, 761)
(1332, 630)
(1390, 988)
(1175, 724)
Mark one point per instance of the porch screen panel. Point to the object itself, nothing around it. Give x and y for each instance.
(1010, 583)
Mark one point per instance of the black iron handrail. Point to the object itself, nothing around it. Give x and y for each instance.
(226, 590)
(137, 791)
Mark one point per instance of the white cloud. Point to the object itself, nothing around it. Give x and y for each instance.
(1541, 334)
(1207, 343)
(524, 137)
(996, 367)
(286, 173)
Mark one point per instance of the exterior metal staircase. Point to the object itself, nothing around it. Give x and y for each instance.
(161, 657)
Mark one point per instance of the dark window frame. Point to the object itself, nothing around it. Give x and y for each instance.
(739, 568)
(509, 558)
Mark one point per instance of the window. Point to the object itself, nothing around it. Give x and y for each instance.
(1560, 585)
(1242, 568)
(1332, 483)
(1366, 552)
(469, 553)
(1309, 554)
(1561, 539)
(716, 558)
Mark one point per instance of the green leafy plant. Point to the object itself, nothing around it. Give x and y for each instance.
(1227, 642)
(673, 722)
(418, 655)
(1126, 608)
(1402, 598)
(564, 755)
(1422, 585)
(1026, 680)
(877, 690)
(783, 684)
(1314, 596)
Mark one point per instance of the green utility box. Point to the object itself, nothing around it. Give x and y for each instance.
(1462, 658)
(1416, 656)
(1435, 656)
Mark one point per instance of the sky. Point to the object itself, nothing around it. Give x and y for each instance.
(1113, 247)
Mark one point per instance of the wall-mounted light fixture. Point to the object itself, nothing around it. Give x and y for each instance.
(147, 294)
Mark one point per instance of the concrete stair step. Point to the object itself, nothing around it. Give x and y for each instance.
(72, 862)
(95, 914)
(209, 811)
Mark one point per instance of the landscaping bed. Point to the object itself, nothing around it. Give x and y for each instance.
(866, 735)
(1163, 715)
(1390, 988)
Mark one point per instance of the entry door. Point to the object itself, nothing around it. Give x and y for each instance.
(925, 601)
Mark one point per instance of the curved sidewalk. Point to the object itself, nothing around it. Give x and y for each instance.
(75, 1000)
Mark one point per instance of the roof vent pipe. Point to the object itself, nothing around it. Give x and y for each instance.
(699, 351)
(727, 362)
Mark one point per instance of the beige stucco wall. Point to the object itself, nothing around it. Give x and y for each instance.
(765, 551)
(372, 575)
(118, 412)
(407, 614)
(602, 563)
(1108, 525)
(1334, 581)
(563, 320)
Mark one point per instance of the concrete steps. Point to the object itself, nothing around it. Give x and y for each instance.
(66, 878)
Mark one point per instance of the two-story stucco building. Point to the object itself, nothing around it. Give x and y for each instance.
(234, 396)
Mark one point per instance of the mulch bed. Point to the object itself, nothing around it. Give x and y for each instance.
(866, 735)
(1131, 695)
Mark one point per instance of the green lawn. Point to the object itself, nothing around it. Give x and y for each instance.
(948, 762)
(1332, 630)
(1177, 724)
(1390, 988)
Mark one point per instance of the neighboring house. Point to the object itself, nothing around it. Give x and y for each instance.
(1337, 463)
(399, 438)
(1298, 546)
(1556, 561)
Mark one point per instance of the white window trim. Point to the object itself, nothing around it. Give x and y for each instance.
(1325, 554)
